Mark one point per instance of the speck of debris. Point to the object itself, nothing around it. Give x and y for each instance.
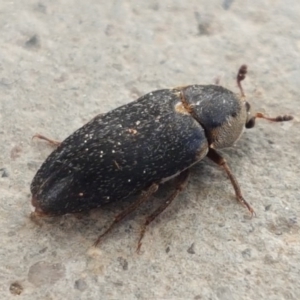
(123, 262)
(109, 30)
(227, 4)
(204, 24)
(246, 253)
(267, 207)
(191, 249)
(4, 172)
(43, 250)
(15, 152)
(80, 285)
(33, 42)
(16, 288)
(41, 8)
(168, 249)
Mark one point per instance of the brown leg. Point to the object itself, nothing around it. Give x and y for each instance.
(219, 160)
(145, 196)
(51, 142)
(180, 185)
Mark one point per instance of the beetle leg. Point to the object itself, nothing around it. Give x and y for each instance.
(219, 160)
(51, 142)
(145, 196)
(180, 185)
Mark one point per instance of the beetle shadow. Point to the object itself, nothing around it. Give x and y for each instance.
(90, 225)
(203, 175)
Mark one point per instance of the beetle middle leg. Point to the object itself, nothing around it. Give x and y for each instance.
(180, 185)
(219, 160)
(50, 141)
(145, 196)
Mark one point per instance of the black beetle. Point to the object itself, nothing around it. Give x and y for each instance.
(140, 145)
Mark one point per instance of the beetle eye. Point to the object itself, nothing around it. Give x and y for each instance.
(250, 123)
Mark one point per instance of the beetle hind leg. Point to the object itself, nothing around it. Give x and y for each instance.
(180, 185)
(144, 197)
(50, 141)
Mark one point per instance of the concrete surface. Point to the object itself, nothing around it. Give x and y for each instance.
(63, 62)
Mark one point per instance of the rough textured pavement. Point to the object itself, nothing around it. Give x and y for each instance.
(63, 62)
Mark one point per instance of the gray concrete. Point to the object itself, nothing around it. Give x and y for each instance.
(63, 62)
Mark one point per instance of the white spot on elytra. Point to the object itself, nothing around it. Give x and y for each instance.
(138, 122)
(80, 194)
(113, 151)
(129, 180)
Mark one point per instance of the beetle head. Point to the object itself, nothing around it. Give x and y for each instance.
(222, 114)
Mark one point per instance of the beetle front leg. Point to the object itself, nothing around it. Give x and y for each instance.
(219, 160)
(180, 185)
(51, 142)
(145, 196)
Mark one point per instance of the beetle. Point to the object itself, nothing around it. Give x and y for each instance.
(138, 146)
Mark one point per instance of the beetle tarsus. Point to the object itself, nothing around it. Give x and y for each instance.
(53, 143)
(219, 160)
(144, 197)
(247, 205)
(180, 185)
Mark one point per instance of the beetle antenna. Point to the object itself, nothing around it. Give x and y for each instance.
(275, 119)
(240, 77)
(251, 122)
